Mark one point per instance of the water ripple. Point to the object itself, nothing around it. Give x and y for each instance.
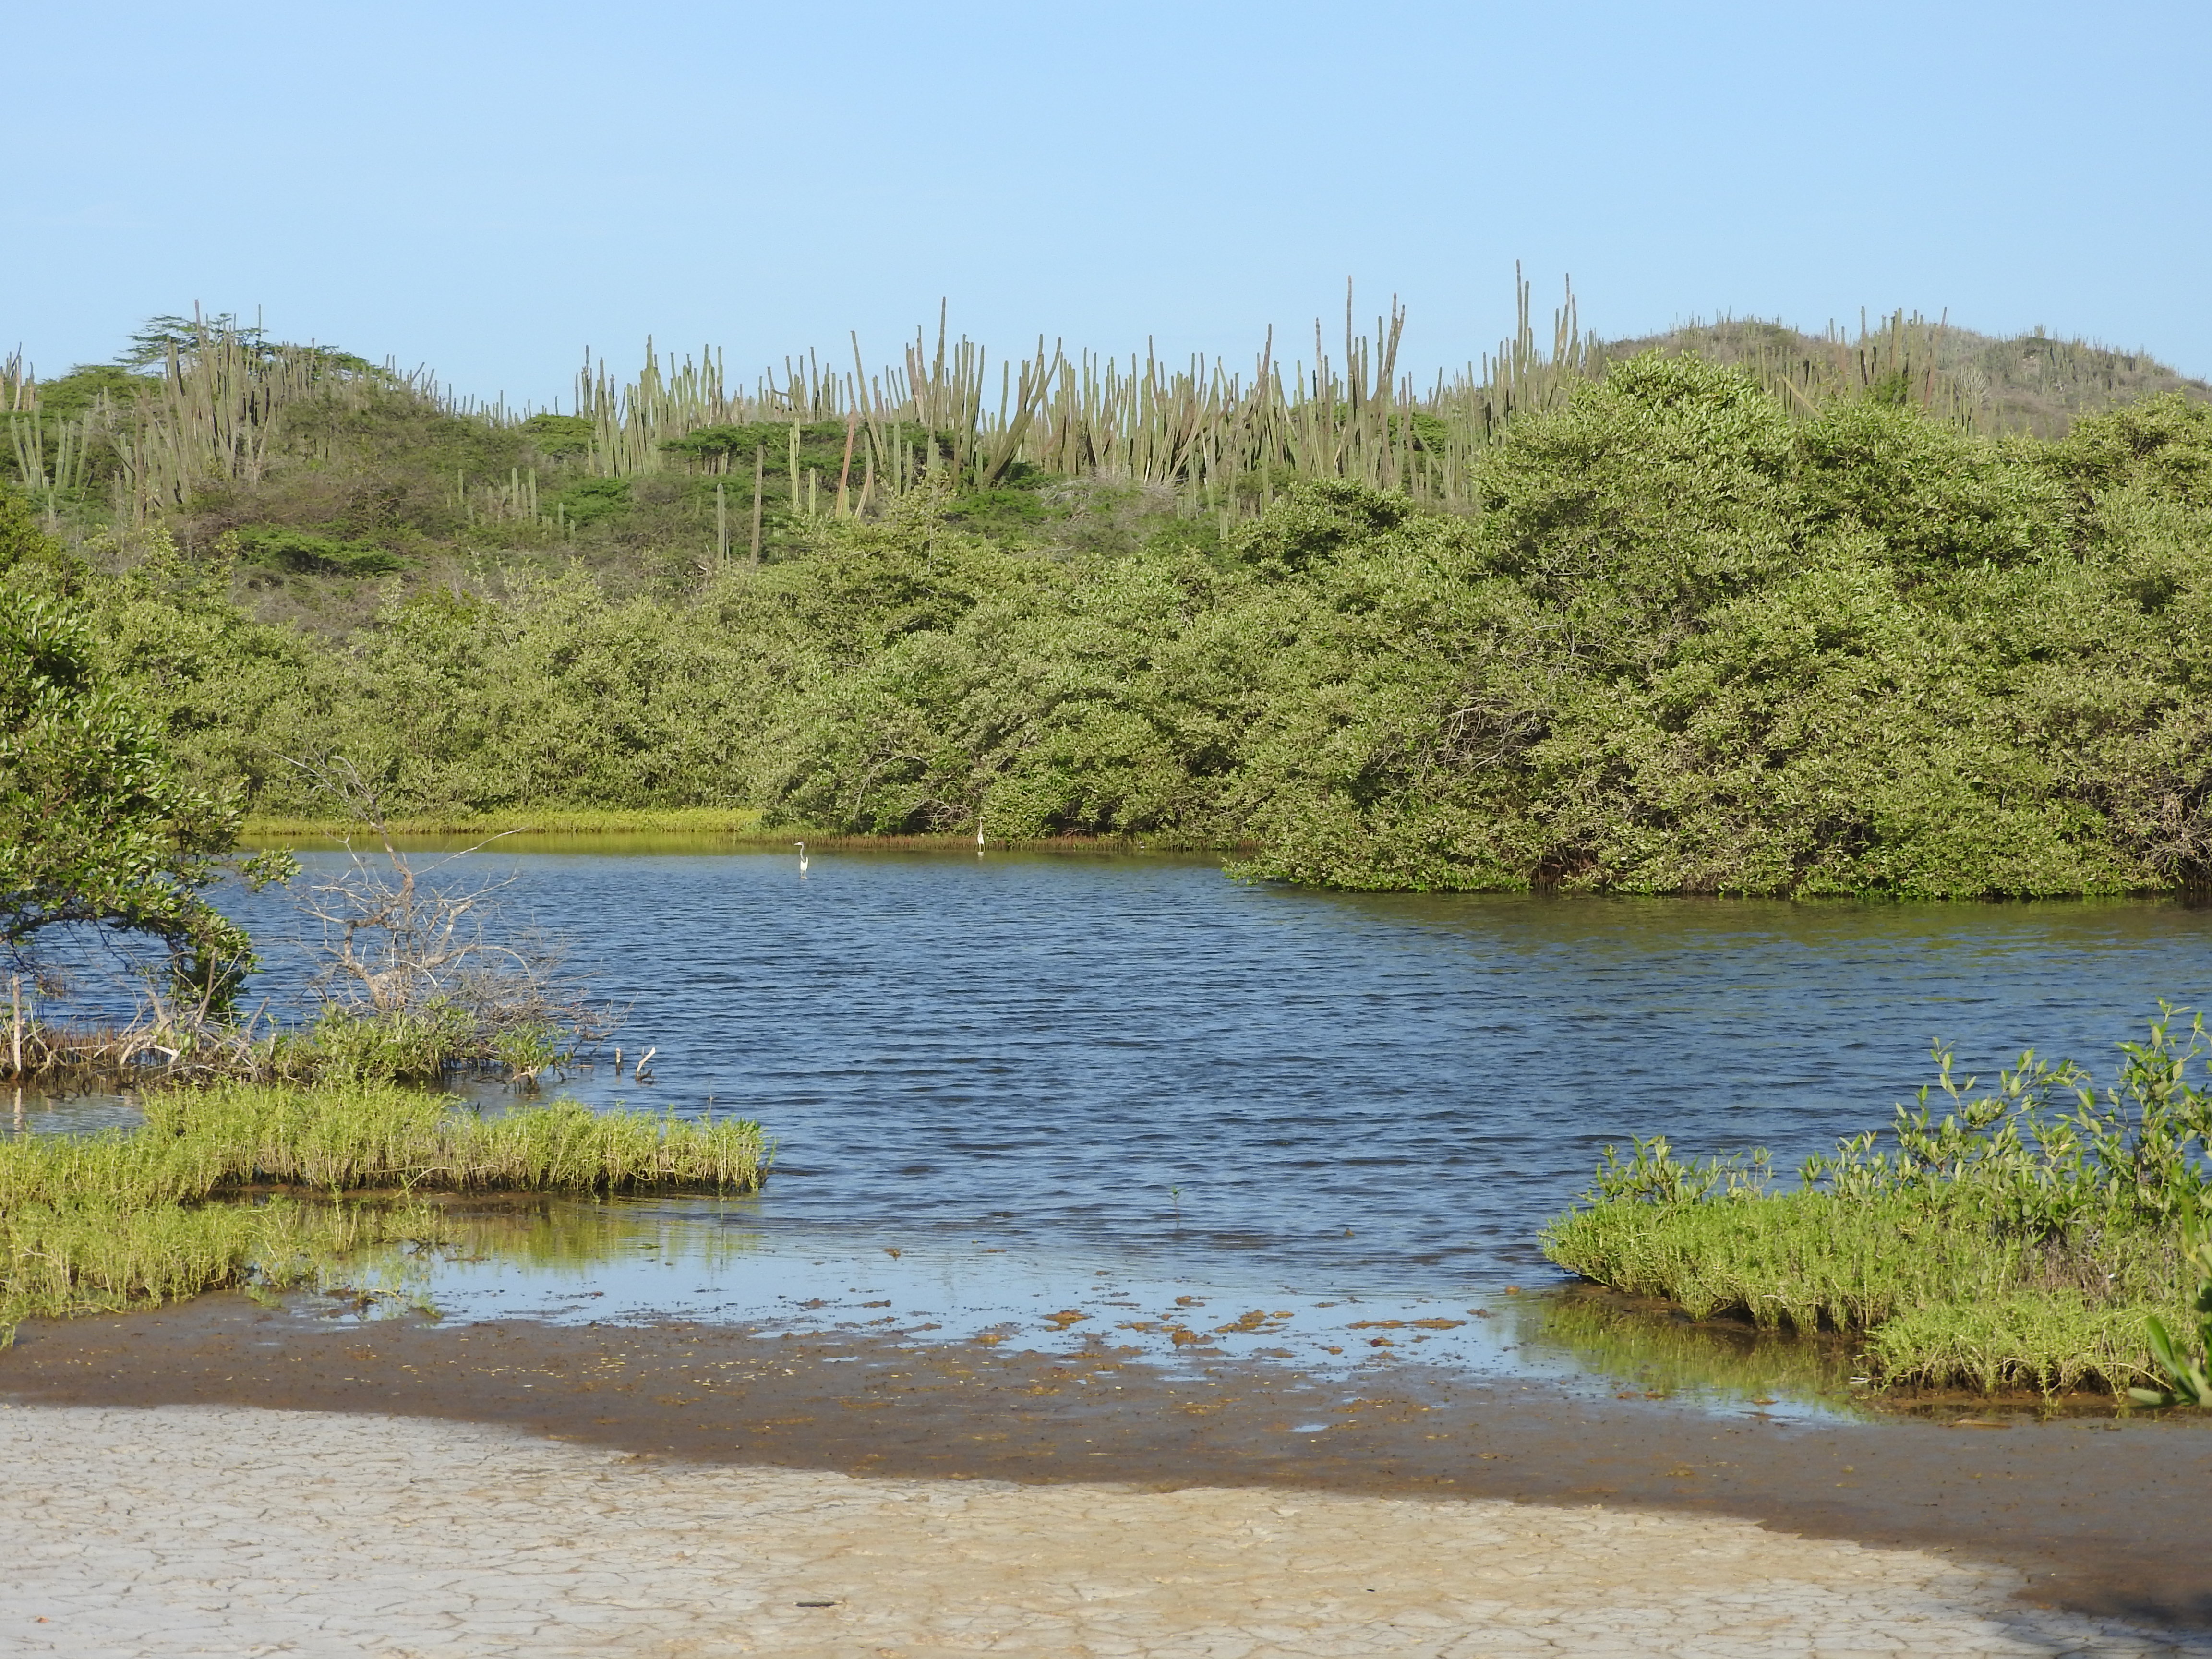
(1374, 1089)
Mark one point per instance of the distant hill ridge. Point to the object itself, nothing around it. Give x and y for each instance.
(2033, 382)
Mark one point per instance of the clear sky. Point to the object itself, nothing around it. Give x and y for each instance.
(488, 189)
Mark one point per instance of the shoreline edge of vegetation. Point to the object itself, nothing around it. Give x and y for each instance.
(182, 1204)
(2041, 1236)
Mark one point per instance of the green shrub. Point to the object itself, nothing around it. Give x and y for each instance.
(302, 554)
(587, 500)
(2024, 1237)
(558, 435)
(1682, 641)
(98, 826)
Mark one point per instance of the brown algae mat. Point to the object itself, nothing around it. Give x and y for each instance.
(2088, 1516)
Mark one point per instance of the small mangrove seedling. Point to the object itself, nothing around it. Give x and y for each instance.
(2188, 1372)
(526, 1052)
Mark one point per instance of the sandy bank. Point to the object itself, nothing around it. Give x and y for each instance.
(232, 1530)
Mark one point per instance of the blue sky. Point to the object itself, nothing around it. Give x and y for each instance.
(489, 189)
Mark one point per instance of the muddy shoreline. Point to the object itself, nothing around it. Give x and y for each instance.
(2100, 1517)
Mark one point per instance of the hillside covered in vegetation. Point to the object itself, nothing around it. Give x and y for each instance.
(1648, 623)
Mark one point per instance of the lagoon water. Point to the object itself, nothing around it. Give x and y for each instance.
(1139, 1054)
(1135, 1065)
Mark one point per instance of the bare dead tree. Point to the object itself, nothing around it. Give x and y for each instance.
(421, 971)
(398, 940)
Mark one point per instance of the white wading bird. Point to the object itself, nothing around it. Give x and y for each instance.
(801, 846)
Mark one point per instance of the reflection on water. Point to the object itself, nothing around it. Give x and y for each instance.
(70, 1111)
(1132, 1069)
(1666, 1355)
(622, 1262)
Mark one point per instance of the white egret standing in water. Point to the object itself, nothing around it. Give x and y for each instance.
(979, 840)
(801, 846)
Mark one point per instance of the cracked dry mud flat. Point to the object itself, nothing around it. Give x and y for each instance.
(236, 1531)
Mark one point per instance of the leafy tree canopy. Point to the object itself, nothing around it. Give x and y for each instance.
(96, 825)
(1685, 641)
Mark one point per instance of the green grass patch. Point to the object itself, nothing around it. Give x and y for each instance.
(2024, 1238)
(1935, 1295)
(138, 1217)
(538, 821)
(102, 1256)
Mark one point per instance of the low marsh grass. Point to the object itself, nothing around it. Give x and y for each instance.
(136, 1217)
(345, 1043)
(2008, 1243)
(345, 1137)
(1935, 1296)
(550, 821)
(104, 1255)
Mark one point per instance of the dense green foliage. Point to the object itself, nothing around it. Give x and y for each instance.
(1688, 643)
(2039, 1235)
(96, 825)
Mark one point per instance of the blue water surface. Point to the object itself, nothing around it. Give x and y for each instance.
(1136, 1056)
